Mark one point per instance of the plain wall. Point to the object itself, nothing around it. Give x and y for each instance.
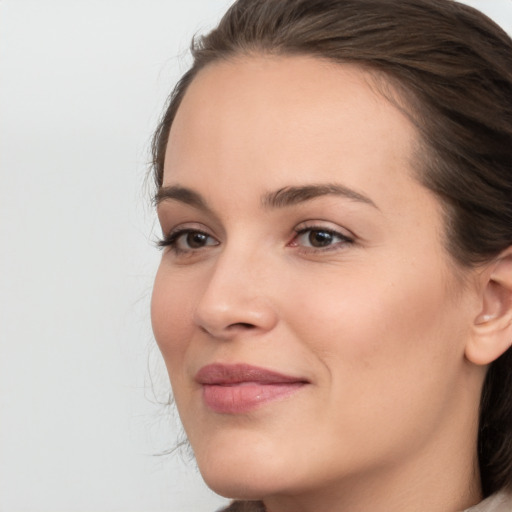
(82, 83)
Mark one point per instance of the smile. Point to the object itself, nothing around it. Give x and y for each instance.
(241, 388)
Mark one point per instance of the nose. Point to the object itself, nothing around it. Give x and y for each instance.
(236, 299)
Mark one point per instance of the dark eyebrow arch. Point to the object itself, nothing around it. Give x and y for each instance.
(289, 196)
(286, 196)
(182, 194)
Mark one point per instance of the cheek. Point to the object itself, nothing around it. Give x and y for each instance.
(392, 351)
(381, 327)
(172, 307)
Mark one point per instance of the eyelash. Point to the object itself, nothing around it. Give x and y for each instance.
(343, 239)
(173, 239)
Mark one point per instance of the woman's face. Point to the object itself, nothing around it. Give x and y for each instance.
(308, 313)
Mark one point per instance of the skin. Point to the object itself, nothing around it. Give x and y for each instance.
(377, 325)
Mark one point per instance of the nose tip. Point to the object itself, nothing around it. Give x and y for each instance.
(228, 316)
(238, 293)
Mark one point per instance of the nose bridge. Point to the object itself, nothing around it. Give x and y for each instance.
(237, 294)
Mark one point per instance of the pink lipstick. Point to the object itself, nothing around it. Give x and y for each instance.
(240, 388)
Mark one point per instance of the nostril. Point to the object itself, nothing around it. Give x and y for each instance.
(242, 325)
(228, 331)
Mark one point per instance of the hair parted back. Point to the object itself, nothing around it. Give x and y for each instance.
(451, 68)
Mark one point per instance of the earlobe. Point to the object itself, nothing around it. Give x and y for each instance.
(492, 328)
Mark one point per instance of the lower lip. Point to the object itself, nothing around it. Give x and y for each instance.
(245, 397)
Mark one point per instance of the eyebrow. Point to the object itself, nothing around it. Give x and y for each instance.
(289, 196)
(282, 198)
(181, 194)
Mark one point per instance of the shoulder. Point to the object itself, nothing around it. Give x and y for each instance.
(499, 502)
(244, 506)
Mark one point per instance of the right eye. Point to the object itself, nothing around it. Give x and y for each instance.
(188, 240)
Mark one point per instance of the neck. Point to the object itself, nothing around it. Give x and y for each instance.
(385, 493)
(442, 476)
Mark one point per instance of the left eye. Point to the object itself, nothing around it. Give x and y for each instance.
(319, 238)
(187, 240)
(194, 240)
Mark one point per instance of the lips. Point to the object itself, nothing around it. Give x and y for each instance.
(240, 388)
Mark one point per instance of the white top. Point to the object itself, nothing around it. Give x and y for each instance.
(499, 502)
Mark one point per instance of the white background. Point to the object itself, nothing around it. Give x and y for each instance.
(82, 83)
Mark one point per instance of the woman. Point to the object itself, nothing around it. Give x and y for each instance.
(334, 300)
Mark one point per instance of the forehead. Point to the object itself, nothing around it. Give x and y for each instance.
(250, 125)
(288, 106)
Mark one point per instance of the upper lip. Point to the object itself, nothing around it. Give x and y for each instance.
(225, 374)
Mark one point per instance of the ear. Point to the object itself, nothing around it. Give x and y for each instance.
(492, 327)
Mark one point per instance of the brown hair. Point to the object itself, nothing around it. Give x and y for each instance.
(452, 68)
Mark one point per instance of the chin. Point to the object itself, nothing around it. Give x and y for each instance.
(237, 490)
(243, 475)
